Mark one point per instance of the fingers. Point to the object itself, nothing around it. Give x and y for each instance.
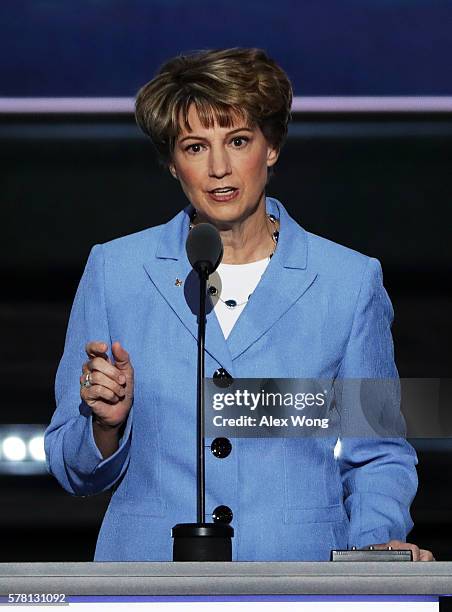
(98, 378)
(98, 392)
(121, 356)
(97, 349)
(98, 364)
(426, 555)
(101, 388)
(414, 551)
(109, 382)
(399, 545)
(418, 553)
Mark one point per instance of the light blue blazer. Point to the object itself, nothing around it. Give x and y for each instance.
(320, 310)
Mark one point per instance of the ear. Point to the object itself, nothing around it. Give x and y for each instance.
(172, 169)
(272, 156)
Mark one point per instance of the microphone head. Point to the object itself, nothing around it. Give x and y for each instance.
(204, 248)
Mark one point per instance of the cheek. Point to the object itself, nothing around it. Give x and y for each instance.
(189, 177)
(255, 167)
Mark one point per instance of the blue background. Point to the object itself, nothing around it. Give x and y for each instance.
(328, 47)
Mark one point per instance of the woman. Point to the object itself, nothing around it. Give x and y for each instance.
(287, 304)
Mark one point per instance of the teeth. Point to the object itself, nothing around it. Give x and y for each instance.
(227, 190)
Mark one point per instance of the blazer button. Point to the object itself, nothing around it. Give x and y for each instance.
(222, 378)
(222, 514)
(221, 448)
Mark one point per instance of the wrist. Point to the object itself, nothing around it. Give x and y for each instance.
(106, 427)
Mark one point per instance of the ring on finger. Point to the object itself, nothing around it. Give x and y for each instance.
(87, 382)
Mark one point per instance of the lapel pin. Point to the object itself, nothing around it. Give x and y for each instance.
(178, 282)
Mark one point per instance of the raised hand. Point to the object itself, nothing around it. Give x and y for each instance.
(107, 386)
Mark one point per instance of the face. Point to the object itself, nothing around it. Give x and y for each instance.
(233, 159)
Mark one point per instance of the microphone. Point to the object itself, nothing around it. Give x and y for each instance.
(202, 541)
(204, 248)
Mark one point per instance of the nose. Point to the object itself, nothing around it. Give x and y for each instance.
(219, 162)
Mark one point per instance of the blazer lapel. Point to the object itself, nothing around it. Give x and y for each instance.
(284, 281)
(171, 273)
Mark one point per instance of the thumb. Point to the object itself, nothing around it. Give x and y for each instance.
(121, 356)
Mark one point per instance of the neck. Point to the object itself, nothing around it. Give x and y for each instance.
(247, 240)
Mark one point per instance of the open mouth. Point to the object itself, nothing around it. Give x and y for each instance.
(223, 194)
(223, 190)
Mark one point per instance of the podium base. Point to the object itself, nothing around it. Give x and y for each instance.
(202, 542)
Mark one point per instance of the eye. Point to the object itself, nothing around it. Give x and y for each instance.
(239, 141)
(194, 148)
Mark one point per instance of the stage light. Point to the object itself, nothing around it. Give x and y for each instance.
(22, 449)
(36, 448)
(14, 448)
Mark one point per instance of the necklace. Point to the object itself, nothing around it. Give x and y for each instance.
(231, 302)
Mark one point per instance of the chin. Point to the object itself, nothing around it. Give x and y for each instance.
(224, 211)
(227, 216)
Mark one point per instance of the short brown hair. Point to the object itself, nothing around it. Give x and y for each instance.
(222, 84)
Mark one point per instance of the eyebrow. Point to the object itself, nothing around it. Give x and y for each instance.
(241, 129)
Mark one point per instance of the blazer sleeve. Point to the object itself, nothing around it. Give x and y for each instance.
(71, 452)
(378, 474)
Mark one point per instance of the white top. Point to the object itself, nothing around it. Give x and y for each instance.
(234, 282)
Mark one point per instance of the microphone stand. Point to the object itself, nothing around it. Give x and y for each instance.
(201, 541)
(201, 460)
